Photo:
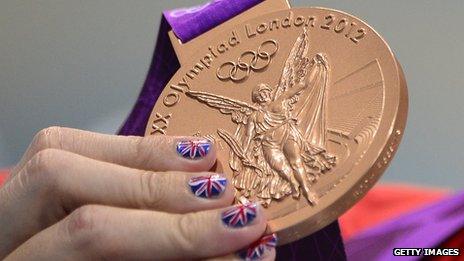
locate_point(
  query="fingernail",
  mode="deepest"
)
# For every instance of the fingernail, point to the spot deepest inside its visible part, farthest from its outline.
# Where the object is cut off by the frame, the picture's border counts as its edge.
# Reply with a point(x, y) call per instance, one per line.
point(240, 215)
point(208, 186)
point(256, 250)
point(193, 149)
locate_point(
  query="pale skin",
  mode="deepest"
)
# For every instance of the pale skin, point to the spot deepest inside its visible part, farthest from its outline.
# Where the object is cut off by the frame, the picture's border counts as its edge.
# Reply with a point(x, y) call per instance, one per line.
point(78, 195)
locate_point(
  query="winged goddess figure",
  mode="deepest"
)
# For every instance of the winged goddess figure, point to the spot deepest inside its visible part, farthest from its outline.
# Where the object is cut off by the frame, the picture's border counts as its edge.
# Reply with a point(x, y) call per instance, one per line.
point(279, 146)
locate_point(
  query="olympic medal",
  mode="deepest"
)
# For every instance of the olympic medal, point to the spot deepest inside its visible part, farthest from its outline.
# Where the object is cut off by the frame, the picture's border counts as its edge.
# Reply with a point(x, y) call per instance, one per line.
point(306, 108)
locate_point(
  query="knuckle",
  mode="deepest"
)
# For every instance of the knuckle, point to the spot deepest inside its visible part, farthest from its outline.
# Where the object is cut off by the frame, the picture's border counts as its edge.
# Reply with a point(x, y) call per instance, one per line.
point(134, 144)
point(85, 226)
point(153, 187)
point(42, 160)
point(141, 144)
point(42, 166)
point(40, 176)
point(185, 239)
point(145, 148)
point(47, 138)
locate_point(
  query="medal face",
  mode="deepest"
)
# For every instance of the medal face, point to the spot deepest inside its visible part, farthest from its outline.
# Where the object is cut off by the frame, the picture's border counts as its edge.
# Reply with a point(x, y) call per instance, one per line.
point(306, 108)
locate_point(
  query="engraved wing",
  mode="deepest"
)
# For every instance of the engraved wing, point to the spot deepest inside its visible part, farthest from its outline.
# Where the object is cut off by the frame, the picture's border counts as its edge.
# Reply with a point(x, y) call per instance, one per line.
point(296, 65)
point(238, 109)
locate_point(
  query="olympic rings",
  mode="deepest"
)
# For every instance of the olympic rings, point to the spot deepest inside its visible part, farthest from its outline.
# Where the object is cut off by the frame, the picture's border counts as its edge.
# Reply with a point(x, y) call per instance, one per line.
point(247, 62)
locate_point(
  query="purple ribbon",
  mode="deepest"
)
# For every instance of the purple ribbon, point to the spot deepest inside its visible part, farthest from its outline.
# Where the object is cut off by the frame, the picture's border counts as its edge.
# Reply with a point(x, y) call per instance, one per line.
point(425, 228)
point(187, 23)
point(163, 66)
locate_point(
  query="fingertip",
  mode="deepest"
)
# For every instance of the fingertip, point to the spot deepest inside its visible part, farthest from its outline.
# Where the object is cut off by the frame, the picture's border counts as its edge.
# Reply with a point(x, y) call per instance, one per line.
point(261, 249)
point(211, 188)
point(263, 217)
point(269, 255)
point(194, 153)
point(229, 193)
point(242, 216)
point(261, 220)
point(198, 191)
point(220, 231)
point(243, 224)
point(211, 157)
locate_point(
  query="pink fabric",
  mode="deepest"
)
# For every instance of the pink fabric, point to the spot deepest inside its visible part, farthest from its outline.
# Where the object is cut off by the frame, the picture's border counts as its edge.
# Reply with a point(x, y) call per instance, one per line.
point(384, 202)
point(3, 175)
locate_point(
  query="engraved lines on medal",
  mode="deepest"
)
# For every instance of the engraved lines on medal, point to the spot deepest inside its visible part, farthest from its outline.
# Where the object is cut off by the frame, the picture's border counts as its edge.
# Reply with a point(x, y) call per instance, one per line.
point(359, 99)
point(339, 24)
point(249, 61)
point(175, 90)
point(356, 123)
point(160, 124)
point(382, 162)
point(389, 151)
point(212, 138)
point(343, 26)
point(267, 165)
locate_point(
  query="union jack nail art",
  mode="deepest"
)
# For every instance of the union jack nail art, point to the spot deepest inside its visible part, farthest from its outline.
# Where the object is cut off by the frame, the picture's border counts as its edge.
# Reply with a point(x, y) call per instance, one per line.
point(193, 149)
point(208, 187)
point(256, 250)
point(240, 215)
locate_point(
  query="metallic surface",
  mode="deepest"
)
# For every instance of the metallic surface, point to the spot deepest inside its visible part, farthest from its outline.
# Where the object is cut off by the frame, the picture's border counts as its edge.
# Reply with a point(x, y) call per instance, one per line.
point(306, 130)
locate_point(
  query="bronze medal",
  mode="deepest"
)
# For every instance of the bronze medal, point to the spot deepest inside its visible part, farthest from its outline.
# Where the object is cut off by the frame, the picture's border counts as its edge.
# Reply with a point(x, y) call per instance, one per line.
point(306, 107)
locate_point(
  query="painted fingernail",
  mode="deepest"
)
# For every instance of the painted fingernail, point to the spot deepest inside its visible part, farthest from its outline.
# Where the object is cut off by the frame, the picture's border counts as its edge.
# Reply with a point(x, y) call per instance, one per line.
point(193, 149)
point(240, 215)
point(208, 186)
point(256, 250)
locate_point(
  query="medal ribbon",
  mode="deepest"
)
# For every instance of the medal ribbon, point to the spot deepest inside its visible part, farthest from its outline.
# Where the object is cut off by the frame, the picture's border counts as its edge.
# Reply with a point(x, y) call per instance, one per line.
point(424, 228)
point(187, 23)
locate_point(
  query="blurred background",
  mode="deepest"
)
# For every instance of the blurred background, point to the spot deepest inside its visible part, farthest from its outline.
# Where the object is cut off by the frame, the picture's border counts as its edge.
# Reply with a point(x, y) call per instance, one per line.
point(81, 64)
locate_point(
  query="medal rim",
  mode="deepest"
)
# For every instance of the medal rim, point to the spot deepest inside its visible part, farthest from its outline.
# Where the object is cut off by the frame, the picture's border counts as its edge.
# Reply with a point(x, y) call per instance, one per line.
point(292, 226)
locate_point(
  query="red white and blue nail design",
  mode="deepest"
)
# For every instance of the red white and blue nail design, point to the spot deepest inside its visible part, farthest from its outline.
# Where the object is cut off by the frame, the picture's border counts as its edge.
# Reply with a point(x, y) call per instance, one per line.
point(193, 149)
point(240, 215)
point(208, 187)
point(256, 250)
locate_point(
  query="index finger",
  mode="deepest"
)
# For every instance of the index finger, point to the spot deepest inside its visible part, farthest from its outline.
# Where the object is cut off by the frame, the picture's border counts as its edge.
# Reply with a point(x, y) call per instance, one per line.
point(160, 153)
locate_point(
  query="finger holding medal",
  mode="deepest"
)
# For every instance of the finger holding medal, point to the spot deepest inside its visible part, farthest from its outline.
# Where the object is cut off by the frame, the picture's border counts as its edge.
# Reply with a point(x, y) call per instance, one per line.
point(307, 107)
point(93, 196)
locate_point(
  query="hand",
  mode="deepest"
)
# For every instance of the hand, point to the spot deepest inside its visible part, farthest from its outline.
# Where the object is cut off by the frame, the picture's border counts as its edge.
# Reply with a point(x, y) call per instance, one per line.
point(79, 195)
